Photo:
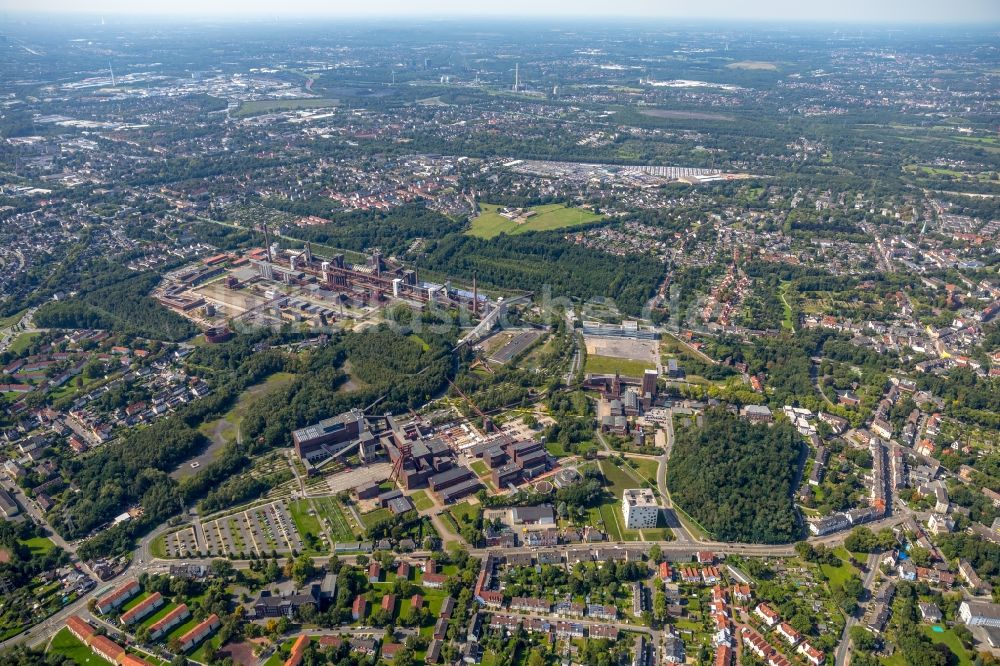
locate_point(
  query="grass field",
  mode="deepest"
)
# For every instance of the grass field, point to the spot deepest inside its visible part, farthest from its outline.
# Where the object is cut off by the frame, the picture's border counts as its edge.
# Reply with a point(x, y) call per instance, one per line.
point(422, 500)
point(134, 601)
point(304, 521)
point(464, 512)
point(449, 520)
point(618, 479)
point(608, 365)
point(276, 659)
point(272, 105)
point(612, 521)
point(556, 449)
point(753, 65)
point(480, 468)
point(490, 223)
point(948, 637)
point(67, 645)
point(224, 429)
point(22, 342)
point(786, 320)
point(373, 517)
point(645, 467)
point(838, 575)
point(12, 319)
point(39, 545)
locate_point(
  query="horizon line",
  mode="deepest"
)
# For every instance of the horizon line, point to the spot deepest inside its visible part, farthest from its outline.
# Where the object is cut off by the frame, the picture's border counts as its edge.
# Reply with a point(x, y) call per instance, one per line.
point(253, 16)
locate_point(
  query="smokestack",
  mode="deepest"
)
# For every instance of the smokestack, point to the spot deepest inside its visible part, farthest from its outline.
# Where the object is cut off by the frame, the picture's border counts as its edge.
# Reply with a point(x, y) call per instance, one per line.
point(267, 243)
point(475, 296)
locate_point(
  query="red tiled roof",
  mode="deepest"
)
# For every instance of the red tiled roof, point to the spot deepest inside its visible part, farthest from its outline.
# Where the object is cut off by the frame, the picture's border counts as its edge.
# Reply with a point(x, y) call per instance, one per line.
point(298, 649)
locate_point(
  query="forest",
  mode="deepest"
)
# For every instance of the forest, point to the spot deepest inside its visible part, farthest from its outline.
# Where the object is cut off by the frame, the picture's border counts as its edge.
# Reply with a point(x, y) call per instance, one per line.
point(121, 307)
point(539, 260)
point(736, 478)
point(967, 396)
point(391, 231)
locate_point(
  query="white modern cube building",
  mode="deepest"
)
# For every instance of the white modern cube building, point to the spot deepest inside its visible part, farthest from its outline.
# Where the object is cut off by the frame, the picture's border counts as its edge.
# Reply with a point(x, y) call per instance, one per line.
point(640, 509)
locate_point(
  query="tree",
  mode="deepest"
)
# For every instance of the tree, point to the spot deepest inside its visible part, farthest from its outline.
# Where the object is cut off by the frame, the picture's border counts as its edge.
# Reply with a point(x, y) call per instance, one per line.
point(920, 556)
point(303, 569)
point(854, 588)
point(863, 639)
point(272, 574)
point(222, 569)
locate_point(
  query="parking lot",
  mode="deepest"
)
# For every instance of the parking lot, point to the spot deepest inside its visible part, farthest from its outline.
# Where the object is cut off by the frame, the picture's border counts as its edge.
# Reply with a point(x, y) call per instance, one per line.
point(262, 530)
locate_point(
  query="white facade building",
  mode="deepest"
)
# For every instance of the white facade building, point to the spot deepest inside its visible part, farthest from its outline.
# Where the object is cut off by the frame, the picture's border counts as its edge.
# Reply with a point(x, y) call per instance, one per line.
point(980, 613)
point(640, 509)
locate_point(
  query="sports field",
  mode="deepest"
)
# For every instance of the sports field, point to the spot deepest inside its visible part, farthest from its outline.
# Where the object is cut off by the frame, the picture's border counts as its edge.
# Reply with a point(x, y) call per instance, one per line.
point(273, 105)
point(490, 223)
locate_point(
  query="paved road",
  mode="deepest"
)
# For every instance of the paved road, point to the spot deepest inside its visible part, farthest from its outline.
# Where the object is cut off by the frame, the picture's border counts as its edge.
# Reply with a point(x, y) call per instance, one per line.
point(143, 561)
point(35, 512)
point(680, 530)
point(843, 647)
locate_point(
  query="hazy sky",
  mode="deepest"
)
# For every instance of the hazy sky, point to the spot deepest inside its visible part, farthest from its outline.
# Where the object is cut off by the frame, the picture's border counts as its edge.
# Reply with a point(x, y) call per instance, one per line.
point(902, 11)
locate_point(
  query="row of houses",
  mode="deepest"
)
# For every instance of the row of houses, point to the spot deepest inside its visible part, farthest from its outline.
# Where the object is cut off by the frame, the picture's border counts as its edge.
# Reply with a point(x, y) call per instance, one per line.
point(102, 646)
point(563, 608)
point(772, 620)
point(559, 629)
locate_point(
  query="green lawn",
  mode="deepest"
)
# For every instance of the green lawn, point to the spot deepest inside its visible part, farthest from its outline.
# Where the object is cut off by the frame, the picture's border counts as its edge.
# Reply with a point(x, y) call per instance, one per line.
point(304, 517)
point(464, 513)
point(948, 637)
point(22, 342)
point(556, 449)
point(422, 500)
point(66, 644)
point(226, 427)
point(39, 545)
point(272, 105)
point(447, 517)
point(276, 659)
point(133, 602)
point(608, 365)
point(373, 517)
point(612, 521)
point(159, 614)
point(12, 319)
point(480, 468)
point(158, 547)
point(182, 628)
point(420, 341)
point(786, 320)
point(645, 467)
point(839, 575)
point(490, 223)
point(618, 479)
